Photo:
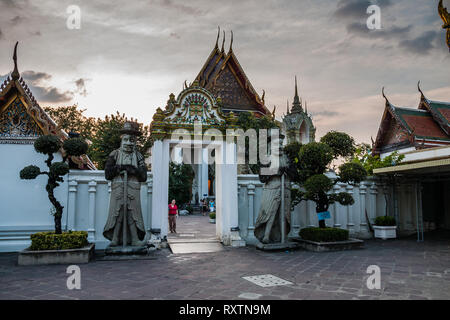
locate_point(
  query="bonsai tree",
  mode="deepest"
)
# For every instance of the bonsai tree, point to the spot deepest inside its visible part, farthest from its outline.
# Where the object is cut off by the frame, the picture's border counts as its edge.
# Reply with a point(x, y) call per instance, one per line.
point(48, 145)
point(312, 162)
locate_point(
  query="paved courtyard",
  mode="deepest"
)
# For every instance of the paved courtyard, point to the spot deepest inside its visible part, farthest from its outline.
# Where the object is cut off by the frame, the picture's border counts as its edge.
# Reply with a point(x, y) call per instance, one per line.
point(409, 270)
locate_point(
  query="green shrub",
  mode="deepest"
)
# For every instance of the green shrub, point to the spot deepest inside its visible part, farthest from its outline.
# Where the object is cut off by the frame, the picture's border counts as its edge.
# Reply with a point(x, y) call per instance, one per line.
point(30, 172)
point(212, 215)
point(323, 234)
point(385, 221)
point(48, 144)
point(76, 146)
point(53, 241)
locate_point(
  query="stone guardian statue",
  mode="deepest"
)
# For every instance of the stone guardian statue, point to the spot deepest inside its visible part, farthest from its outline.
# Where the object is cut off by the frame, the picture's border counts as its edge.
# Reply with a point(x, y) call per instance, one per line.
point(126, 168)
point(268, 224)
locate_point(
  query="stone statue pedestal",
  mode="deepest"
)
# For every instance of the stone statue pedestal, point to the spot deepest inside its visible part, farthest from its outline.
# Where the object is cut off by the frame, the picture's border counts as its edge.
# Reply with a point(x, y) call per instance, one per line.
point(277, 246)
point(129, 250)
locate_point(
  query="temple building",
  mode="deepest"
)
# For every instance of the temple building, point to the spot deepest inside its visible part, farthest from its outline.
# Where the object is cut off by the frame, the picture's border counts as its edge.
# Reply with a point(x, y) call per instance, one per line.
point(223, 76)
point(297, 123)
point(407, 129)
point(420, 184)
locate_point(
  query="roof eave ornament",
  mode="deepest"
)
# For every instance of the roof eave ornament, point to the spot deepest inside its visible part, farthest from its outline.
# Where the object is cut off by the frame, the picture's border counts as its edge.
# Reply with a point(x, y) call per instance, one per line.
point(217, 40)
point(223, 42)
point(15, 75)
point(445, 16)
point(231, 43)
point(420, 90)
point(384, 96)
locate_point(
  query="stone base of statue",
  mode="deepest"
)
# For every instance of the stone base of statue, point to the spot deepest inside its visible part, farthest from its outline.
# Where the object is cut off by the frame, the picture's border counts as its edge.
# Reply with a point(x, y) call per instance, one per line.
point(129, 250)
point(278, 246)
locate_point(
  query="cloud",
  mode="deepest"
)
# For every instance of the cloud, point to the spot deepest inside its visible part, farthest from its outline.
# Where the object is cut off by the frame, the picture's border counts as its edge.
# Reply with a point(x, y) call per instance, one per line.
point(16, 20)
point(325, 113)
point(356, 9)
point(35, 77)
point(174, 35)
point(81, 87)
point(180, 7)
point(360, 29)
point(43, 92)
point(421, 45)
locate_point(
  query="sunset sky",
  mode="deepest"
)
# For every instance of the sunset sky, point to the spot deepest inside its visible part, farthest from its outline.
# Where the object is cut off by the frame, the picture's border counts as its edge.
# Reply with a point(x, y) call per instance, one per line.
point(130, 55)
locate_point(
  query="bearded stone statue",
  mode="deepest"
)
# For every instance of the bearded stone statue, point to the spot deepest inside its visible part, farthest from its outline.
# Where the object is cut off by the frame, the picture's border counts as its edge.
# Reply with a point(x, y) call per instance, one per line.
point(126, 168)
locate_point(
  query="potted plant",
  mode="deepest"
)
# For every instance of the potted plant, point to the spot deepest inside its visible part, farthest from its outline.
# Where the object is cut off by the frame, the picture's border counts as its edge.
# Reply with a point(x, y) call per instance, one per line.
point(385, 227)
point(212, 217)
point(56, 246)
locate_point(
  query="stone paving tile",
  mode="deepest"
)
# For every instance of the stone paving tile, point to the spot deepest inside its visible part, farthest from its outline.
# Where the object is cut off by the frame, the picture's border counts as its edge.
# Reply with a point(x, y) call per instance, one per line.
point(409, 270)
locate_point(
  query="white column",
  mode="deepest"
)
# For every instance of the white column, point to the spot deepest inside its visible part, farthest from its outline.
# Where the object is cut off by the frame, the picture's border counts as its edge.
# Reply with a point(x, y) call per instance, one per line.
point(362, 196)
point(71, 206)
point(160, 170)
point(91, 226)
point(226, 196)
point(336, 219)
point(373, 202)
point(204, 174)
point(251, 212)
point(350, 224)
point(149, 203)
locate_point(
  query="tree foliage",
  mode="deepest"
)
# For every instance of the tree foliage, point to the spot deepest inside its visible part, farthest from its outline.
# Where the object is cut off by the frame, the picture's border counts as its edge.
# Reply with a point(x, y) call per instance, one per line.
point(102, 133)
point(247, 120)
point(341, 143)
point(363, 156)
point(107, 138)
point(72, 119)
point(49, 145)
point(312, 162)
point(180, 182)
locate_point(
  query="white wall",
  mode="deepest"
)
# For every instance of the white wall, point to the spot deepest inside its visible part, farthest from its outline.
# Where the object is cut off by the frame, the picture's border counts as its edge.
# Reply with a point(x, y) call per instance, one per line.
point(369, 195)
point(24, 204)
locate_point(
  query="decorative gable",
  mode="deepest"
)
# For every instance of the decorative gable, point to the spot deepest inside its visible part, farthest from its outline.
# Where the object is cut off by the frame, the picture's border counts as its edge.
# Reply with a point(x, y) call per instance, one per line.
point(16, 122)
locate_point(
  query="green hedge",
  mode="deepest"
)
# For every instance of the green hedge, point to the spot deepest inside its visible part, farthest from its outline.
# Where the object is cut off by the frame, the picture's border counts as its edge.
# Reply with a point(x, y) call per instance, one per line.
point(324, 234)
point(385, 221)
point(212, 215)
point(52, 241)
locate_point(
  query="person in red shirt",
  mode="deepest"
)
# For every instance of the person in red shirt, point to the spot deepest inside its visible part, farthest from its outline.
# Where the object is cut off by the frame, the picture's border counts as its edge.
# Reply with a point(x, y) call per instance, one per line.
point(173, 213)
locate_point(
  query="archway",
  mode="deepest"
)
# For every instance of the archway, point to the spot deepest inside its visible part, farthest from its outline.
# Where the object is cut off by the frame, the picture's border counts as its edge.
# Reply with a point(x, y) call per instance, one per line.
point(190, 122)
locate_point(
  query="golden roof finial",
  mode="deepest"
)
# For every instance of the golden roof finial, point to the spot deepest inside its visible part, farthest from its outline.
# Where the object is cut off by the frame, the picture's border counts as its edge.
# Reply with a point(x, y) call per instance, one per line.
point(384, 96)
point(15, 74)
point(420, 90)
point(445, 16)
point(217, 40)
point(223, 42)
point(263, 96)
point(231, 43)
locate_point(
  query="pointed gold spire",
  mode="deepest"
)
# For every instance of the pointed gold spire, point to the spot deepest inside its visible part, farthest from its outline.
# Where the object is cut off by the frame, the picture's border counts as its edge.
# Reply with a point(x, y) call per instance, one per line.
point(217, 40)
point(15, 74)
point(297, 104)
point(287, 106)
point(231, 43)
point(223, 42)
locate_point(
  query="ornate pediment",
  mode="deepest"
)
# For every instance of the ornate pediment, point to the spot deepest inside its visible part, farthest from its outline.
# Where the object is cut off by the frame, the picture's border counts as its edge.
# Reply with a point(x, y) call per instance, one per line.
point(16, 122)
point(193, 106)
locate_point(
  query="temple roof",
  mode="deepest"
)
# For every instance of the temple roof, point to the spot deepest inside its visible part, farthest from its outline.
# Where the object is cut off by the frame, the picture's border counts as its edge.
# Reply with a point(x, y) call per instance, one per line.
point(14, 91)
point(423, 127)
point(223, 75)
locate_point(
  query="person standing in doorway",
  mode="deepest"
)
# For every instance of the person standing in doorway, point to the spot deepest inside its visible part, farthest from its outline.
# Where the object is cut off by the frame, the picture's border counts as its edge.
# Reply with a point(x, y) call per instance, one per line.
point(173, 213)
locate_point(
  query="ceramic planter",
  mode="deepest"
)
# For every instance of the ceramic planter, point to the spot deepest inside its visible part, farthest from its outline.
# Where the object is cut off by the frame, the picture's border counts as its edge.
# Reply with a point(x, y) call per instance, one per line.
point(385, 232)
